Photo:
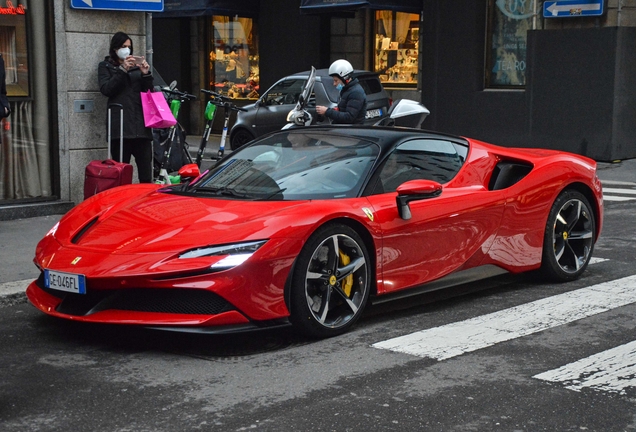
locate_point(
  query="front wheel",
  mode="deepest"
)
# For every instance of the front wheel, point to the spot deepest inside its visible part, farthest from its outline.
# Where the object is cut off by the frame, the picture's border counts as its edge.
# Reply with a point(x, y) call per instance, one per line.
point(331, 282)
point(240, 138)
point(569, 237)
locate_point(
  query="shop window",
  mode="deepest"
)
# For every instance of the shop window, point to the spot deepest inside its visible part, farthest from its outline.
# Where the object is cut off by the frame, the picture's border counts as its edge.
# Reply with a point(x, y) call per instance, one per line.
point(396, 48)
point(13, 46)
point(234, 57)
point(25, 165)
point(507, 37)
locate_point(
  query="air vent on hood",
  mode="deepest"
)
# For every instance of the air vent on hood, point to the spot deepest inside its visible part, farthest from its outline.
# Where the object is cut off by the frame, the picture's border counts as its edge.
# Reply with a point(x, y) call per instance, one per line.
point(78, 236)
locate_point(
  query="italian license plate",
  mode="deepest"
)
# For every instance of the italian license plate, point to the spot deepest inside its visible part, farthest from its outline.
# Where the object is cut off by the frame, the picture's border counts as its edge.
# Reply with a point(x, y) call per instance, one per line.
point(374, 113)
point(61, 281)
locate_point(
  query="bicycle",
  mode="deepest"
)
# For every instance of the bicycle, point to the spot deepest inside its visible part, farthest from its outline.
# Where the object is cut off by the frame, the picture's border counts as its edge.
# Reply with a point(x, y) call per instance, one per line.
point(210, 112)
point(175, 100)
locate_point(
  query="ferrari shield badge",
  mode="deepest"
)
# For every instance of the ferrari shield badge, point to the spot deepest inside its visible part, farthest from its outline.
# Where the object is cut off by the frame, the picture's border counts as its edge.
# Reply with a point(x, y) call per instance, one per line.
point(368, 212)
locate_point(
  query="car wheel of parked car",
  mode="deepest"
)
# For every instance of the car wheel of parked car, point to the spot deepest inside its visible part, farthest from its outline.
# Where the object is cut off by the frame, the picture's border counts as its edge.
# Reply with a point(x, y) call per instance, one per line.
point(569, 237)
point(240, 138)
point(331, 282)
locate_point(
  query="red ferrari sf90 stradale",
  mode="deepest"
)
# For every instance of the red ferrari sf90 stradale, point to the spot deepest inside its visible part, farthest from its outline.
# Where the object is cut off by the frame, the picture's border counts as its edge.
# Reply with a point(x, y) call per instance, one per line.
point(304, 226)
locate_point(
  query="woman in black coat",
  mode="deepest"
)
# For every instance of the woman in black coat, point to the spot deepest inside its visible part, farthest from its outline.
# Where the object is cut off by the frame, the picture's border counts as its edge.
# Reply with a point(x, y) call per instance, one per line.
point(122, 79)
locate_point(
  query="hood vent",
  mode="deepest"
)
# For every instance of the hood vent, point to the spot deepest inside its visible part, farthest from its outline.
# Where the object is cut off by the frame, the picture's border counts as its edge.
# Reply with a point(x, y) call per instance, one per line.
point(78, 236)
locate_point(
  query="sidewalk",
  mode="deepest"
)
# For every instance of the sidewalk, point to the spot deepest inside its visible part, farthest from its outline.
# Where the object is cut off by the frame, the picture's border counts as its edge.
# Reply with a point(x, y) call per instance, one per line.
point(20, 237)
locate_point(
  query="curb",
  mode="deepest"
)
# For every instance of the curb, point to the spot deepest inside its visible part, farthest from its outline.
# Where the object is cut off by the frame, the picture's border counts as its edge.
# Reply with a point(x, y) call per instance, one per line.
point(13, 293)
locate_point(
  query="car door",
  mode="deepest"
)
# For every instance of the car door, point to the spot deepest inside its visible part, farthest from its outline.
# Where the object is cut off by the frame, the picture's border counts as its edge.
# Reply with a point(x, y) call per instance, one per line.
point(274, 105)
point(444, 233)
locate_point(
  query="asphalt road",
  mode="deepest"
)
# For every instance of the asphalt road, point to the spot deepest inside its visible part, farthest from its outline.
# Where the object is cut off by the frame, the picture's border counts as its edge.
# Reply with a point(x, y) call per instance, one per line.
point(561, 360)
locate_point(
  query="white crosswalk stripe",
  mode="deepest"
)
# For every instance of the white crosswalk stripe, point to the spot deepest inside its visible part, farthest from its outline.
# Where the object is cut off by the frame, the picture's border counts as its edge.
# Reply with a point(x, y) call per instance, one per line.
point(458, 338)
point(612, 371)
point(626, 191)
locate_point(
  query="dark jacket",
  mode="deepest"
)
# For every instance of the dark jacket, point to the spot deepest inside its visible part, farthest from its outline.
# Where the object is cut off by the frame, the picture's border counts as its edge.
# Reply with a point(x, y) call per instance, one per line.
point(352, 107)
point(125, 88)
point(4, 102)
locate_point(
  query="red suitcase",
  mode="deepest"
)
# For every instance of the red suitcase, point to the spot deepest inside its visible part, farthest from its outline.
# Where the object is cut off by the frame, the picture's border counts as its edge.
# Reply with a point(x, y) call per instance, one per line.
point(101, 175)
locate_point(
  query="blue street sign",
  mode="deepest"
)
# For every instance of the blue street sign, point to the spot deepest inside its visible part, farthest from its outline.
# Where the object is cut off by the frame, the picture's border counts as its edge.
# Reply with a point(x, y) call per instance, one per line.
point(573, 8)
point(120, 5)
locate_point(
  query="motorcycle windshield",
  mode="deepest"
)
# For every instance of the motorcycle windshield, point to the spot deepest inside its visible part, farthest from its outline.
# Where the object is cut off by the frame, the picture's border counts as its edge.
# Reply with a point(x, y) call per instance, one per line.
point(303, 100)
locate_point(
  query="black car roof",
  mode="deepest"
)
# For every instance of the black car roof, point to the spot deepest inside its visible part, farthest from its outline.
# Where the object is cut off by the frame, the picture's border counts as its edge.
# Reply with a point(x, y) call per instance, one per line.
point(385, 137)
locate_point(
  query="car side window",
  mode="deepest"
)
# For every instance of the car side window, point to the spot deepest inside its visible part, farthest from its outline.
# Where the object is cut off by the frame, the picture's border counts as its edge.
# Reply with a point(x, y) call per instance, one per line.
point(421, 159)
point(285, 92)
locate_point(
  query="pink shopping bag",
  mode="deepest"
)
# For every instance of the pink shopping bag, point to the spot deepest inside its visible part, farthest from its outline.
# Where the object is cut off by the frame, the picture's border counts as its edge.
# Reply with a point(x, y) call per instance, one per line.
point(157, 114)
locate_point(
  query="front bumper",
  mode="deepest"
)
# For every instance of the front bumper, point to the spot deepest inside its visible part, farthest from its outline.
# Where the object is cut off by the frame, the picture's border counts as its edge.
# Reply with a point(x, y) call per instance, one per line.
point(170, 309)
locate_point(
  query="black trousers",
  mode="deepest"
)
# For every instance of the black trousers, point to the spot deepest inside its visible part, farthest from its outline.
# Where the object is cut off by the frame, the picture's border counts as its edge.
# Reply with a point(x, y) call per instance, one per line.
point(141, 149)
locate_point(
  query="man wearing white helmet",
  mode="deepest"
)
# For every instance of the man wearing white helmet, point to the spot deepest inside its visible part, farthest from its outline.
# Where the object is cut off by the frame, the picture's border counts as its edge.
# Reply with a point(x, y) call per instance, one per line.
point(352, 107)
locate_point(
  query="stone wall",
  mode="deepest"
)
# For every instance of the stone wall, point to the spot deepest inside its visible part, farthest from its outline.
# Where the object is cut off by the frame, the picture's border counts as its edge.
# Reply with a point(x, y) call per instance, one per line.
point(82, 41)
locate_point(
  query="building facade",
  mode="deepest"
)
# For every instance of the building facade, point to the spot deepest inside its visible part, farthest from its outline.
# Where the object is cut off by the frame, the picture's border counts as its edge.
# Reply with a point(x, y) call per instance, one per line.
point(496, 70)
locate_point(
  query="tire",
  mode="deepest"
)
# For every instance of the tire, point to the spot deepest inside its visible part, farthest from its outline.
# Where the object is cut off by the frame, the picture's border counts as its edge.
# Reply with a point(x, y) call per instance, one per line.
point(331, 282)
point(569, 237)
point(240, 138)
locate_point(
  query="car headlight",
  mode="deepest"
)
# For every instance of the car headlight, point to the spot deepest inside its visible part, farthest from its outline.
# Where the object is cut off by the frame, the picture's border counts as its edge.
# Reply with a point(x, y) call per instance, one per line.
point(237, 253)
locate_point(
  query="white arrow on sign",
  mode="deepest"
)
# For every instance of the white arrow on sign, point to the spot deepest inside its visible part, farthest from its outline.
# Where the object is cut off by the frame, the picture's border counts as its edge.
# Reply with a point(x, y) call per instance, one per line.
point(555, 8)
point(88, 2)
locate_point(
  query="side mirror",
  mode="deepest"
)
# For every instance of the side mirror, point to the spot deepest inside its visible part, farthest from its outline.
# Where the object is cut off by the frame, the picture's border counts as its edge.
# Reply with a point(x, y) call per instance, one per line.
point(415, 190)
point(189, 172)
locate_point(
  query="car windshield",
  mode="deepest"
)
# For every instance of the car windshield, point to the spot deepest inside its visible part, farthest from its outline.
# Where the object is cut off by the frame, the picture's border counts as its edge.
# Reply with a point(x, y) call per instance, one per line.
point(292, 165)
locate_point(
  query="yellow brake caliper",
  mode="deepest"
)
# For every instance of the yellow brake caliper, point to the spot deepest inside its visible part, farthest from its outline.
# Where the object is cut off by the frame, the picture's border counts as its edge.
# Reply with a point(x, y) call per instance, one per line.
point(347, 283)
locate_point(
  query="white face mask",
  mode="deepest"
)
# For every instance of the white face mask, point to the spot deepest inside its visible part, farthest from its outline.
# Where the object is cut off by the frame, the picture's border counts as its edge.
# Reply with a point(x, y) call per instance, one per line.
point(122, 53)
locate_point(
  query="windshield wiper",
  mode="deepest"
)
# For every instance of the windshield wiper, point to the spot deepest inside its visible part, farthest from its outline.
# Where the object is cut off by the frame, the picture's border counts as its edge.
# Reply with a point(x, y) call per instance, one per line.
point(279, 191)
point(221, 191)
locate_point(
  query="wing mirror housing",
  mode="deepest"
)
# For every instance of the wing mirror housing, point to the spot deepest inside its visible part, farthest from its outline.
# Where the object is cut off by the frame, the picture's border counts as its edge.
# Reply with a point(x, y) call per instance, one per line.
point(189, 172)
point(415, 190)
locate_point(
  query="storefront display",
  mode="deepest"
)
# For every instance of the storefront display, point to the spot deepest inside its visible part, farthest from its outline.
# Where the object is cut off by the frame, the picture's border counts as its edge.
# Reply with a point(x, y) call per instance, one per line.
point(13, 46)
point(24, 150)
point(396, 48)
point(234, 57)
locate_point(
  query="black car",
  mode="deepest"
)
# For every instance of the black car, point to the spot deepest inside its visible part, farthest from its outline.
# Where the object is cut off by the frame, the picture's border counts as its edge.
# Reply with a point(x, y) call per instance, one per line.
point(269, 112)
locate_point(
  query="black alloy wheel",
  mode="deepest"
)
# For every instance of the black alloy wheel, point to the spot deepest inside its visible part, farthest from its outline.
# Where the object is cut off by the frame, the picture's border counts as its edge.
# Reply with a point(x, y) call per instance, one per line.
point(569, 237)
point(331, 282)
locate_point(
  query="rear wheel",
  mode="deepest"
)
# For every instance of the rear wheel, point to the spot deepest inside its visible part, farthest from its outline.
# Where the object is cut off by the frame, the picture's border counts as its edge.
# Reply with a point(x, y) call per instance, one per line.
point(240, 138)
point(331, 282)
point(569, 237)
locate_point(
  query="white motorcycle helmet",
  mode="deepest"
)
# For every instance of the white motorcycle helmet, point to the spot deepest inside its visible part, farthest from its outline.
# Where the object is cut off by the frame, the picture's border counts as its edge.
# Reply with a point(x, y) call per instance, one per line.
point(342, 69)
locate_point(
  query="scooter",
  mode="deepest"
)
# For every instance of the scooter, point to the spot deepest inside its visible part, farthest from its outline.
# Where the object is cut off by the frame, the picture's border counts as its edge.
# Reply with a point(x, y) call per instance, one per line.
point(404, 112)
point(209, 115)
point(210, 112)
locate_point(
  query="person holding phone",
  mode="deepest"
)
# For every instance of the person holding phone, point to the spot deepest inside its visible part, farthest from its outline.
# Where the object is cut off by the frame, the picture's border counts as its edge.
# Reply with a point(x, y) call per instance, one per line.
point(122, 77)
